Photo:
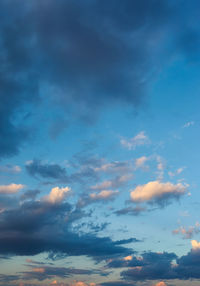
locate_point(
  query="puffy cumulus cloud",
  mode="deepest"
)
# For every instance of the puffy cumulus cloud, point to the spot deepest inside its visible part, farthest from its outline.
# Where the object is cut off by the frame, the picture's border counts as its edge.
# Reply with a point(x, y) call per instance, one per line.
point(57, 195)
point(11, 189)
point(45, 170)
point(187, 233)
point(195, 245)
point(140, 139)
point(157, 192)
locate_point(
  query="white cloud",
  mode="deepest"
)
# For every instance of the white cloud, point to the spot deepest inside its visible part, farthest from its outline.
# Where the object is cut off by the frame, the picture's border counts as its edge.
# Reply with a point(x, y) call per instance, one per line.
point(10, 189)
point(195, 245)
point(138, 140)
point(57, 194)
point(157, 191)
point(188, 124)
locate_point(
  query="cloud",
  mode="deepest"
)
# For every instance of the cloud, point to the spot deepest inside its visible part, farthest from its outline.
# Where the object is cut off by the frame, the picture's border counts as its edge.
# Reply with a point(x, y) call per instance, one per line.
point(195, 245)
point(29, 195)
point(177, 172)
point(139, 140)
point(89, 55)
point(57, 195)
point(160, 284)
point(48, 272)
point(103, 195)
point(117, 182)
point(34, 227)
point(163, 266)
point(187, 233)
point(10, 169)
point(115, 167)
point(47, 171)
point(135, 211)
point(157, 192)
point(139, 162)
point(11, 189)
point(188, 124)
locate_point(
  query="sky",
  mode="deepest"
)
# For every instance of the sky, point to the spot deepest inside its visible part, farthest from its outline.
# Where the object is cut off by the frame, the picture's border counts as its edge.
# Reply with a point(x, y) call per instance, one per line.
point(99, 143)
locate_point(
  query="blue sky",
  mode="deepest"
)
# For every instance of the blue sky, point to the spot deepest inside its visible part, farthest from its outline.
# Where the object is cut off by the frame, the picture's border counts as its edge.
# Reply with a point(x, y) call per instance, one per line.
point(99, 143)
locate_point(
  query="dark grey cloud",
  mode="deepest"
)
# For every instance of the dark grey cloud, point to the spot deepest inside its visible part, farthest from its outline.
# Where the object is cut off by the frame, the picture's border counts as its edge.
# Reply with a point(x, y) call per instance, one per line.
point(35, 227)
point(84, 55)
point(50, 272)
point(152, 266)
point(117, 283)
point(135, 211)
point(29, 195)
point(160, 266)
point(44, 170)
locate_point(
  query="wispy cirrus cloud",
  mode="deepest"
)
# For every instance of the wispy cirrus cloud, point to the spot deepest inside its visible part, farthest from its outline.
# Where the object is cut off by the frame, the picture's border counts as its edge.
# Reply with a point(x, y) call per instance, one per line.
point(138, 140)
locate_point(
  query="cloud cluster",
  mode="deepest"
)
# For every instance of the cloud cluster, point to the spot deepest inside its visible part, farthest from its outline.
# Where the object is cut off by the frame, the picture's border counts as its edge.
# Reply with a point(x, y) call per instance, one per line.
point(36, 226)
point(187, 233)
point(160, 266)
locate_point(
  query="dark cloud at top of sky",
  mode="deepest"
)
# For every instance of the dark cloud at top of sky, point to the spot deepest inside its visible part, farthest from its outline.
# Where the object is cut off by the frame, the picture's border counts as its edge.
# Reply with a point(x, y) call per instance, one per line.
point(84, 55)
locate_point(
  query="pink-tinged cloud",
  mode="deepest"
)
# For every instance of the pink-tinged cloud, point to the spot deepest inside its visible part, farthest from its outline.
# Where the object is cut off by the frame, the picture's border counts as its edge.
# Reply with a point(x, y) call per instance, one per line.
point(103, 195)
point(157, 191)
point(160, 284)
point(11, 189)
point(187, 233)
point(57, 195)
point(139, 162)
point(195, 245)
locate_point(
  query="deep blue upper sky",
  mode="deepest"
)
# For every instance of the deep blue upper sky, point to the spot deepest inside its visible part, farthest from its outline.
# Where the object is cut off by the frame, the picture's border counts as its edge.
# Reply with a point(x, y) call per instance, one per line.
point(99, 142)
